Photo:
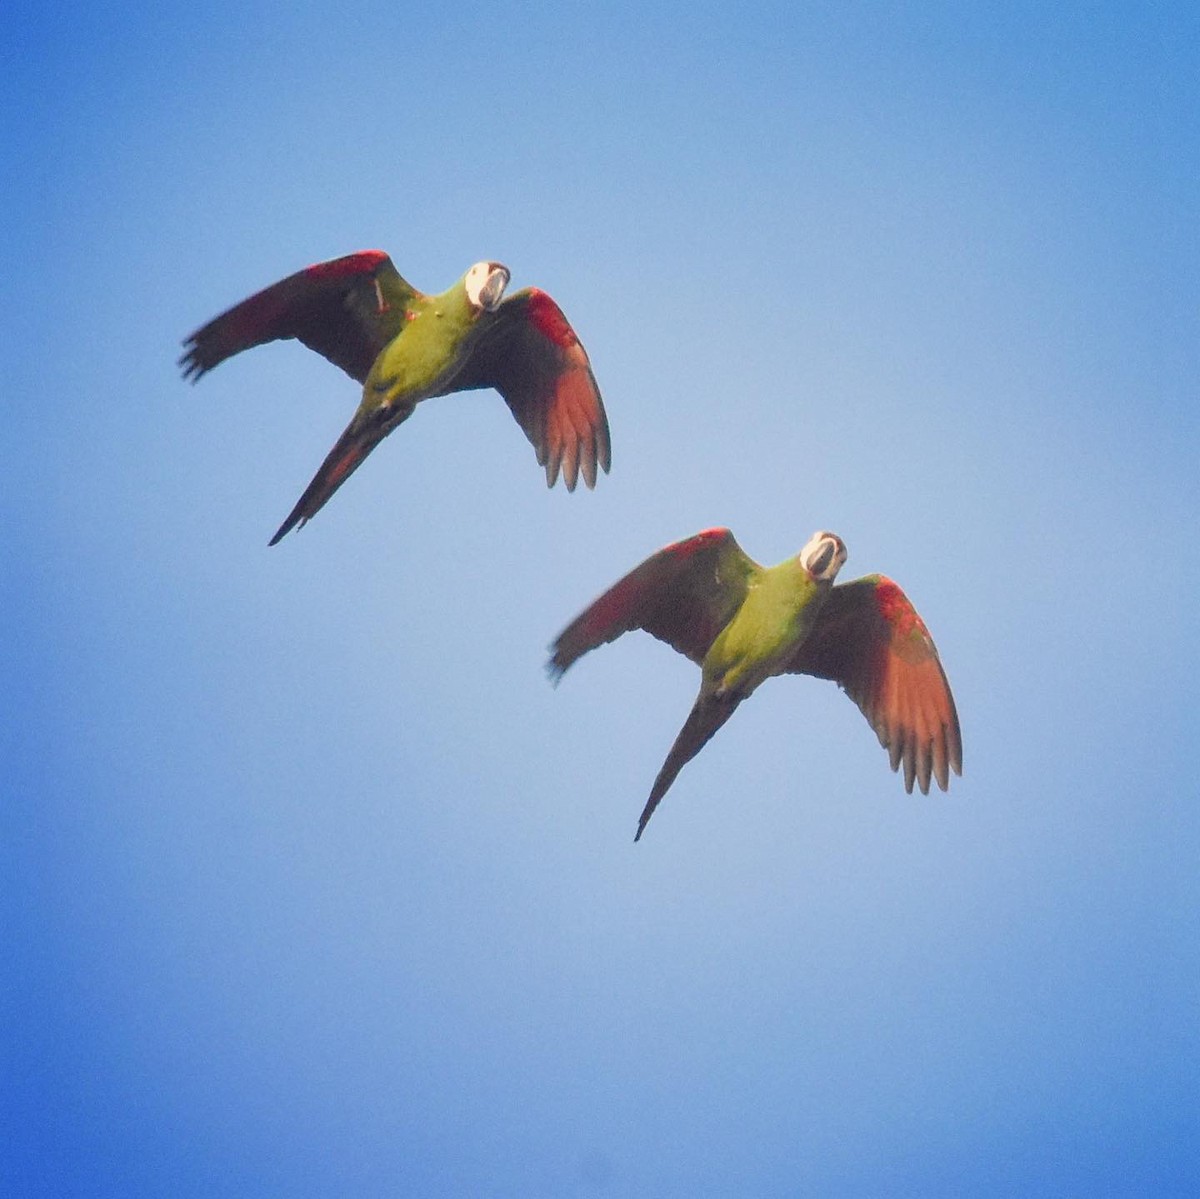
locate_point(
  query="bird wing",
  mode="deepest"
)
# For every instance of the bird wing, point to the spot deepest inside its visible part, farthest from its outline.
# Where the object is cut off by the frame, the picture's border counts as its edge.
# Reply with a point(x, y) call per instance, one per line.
point(529, 353)
point(347, 310)
point(869, 640)
point(684, 595)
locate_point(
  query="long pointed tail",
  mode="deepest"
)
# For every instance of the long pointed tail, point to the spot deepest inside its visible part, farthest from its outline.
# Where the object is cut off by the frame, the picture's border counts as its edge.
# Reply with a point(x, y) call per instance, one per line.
point(707, 715)
point(359, 439)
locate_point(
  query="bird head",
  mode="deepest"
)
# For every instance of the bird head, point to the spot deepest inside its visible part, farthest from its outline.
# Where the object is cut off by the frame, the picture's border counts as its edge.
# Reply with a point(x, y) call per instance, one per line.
point(823, 556)
point(485, 283)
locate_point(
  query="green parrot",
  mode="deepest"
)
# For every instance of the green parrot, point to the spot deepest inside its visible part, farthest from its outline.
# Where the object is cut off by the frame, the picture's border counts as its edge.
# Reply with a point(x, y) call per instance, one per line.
point(741, 623)
point(405, 347)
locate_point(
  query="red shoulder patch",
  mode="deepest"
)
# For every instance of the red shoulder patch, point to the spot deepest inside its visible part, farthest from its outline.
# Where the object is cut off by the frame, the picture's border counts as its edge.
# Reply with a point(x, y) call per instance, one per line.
point(365, 262)
point(700, 541)
point(547, 318)
point(897, 610)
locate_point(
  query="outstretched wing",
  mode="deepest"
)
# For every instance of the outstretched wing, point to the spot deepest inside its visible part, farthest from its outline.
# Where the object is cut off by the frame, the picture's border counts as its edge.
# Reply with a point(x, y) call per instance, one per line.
point(529, 353)
point(684, 595)
point(347, 310)
point(869, 640)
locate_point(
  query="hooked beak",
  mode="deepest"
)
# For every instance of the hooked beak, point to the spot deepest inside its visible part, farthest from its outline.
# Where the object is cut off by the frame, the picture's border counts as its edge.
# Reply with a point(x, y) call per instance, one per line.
point(819, 562)
point(493, 290)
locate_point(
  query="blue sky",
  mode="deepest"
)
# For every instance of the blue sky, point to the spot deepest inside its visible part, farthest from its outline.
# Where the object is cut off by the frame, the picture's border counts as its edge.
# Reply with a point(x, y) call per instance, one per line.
point(311, 884)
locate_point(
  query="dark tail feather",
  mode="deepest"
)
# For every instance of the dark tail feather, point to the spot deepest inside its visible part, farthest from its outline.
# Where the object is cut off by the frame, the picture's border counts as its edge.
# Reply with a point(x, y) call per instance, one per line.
point(359, 439)
point(707, 715)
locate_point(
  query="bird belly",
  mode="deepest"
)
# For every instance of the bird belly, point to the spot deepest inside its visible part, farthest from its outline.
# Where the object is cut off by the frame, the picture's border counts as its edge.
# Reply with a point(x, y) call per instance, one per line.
point(415, 365)
point(759, 641)
point(740, 659)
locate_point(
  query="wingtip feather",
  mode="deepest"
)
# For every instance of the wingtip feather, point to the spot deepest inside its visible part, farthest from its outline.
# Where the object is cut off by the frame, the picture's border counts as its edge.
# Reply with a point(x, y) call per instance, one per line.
point(588, 466)
point(189, 363)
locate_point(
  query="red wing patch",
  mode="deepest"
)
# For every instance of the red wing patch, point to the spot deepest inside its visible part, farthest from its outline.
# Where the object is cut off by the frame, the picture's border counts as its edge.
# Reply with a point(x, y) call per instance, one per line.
point(362, 263)
point(677, 595)
point(609, 611)
point(574, 433)
point(323, 306)
point(897, 609)
point(702, 540)
point(547, 318)
point(871, 642)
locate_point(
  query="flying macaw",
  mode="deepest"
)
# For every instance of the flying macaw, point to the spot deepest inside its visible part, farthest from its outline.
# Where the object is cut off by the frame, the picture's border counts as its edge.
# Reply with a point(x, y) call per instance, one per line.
point(741, 623)
point(404, 347)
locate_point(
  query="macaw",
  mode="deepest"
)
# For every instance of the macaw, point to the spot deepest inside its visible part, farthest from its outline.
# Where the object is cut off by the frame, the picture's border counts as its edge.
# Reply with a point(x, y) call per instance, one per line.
point(741, 623)
point(405, 347)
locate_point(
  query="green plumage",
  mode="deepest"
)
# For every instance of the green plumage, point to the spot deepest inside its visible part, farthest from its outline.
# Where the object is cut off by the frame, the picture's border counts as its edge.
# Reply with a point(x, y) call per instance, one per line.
point(413, 367)
point(743, 623)
point(776, 615)
point(404, 347)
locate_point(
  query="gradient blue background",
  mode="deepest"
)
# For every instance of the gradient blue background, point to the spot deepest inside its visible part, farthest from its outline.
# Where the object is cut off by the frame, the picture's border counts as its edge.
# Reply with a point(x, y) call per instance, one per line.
point(311, 885)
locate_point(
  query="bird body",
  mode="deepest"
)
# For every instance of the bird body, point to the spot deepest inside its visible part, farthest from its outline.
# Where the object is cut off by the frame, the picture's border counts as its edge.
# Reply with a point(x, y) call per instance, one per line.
point(743, 623)
point(405, 347)
point(437, 338)
point(776, 614)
